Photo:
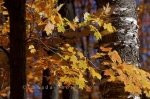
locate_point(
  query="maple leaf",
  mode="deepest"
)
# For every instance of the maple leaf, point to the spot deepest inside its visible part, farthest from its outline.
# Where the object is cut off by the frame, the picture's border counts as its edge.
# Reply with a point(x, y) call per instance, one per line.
point(73, 59)
point(76, 19)
point(32, 49)
point(110, 73)
point(59, 7)
point(86, 16)
point(99, 21)
point(133, 89)
point(107, 8)
point(80, 54)
point(52, 19)
point(96, 32)
point(82, 64)
point(97, 35)
point(49, 28)
point(66, 57)
point(81, 82)
point(109, 27)
point(104, 49)
point(70, 49)
point(60, 28)
point(71, 25)
point(31, 46)
point(114, 56)
point(94, 73)
point(97, 55)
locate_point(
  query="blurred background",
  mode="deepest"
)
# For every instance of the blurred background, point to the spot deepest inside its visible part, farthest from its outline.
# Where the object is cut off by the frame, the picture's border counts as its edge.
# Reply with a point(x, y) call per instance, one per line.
point(144, 32)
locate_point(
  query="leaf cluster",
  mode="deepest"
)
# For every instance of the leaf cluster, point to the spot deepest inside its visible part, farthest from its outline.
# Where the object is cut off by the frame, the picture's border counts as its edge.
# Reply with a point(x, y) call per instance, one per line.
point(136, 81)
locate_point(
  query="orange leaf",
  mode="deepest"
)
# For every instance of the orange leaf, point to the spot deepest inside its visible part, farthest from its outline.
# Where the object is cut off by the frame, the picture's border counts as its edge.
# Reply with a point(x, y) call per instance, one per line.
point(104, 49)
point(114, 56)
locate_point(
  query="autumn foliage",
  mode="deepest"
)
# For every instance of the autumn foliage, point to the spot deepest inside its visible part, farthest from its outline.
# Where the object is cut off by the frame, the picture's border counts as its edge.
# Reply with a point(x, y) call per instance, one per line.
point(68, 65)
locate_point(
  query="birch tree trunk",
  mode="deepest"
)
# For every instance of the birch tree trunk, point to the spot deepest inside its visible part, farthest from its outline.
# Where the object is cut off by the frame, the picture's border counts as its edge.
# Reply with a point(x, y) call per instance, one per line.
point(16, 9)
point(125, 40)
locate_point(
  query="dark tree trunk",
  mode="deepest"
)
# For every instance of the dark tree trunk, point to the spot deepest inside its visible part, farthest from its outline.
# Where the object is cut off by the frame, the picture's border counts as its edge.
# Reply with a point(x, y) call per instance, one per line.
point(66, 93)
point(125, 40)
point(16, 9)
point(47, 88)
point(67, 10)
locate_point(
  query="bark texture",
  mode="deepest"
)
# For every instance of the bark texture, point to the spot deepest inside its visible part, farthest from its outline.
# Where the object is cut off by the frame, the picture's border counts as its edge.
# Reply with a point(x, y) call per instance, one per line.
point(16, 9)
point(125, 40)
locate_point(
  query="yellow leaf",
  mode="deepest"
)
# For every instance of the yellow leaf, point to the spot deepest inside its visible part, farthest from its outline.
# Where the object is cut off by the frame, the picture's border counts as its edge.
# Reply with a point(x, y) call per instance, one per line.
point(133, 89)
point(80, 54)
point(52, 18)
point(71, 26)
point(73, 59)
point(97, 35)
point(83, 64)
point(49, 28)
point(33, 51)
point(94, 73)
point(96, 32)
point(100, 22)
point(105, 33)
point(66, 57)
point(70, 49)
point(97, 55)
point(58, 19)
point(76, 19)
point(31, 47)
point(109, 27)
point(60, 28)
point(81, 82)
point(107, 8)
point(86, 16)
point(59, 7)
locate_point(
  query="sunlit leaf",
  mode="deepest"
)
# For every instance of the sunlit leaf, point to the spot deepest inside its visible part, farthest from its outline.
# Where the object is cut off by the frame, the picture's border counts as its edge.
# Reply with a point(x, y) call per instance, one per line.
point(109, 27)
point(49, 28)
point(59, 7)
point(86, 16)
point(115, 57)
point(76, 19)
